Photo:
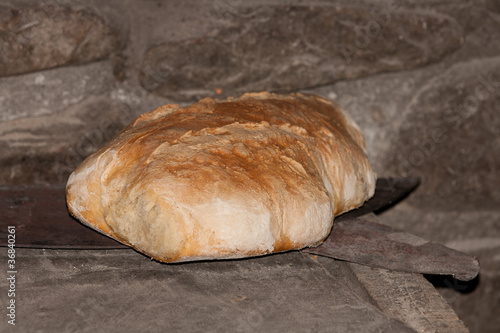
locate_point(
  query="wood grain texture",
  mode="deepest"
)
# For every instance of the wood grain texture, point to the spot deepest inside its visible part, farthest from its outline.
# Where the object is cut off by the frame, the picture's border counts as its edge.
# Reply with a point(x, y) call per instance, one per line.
point(410, 298)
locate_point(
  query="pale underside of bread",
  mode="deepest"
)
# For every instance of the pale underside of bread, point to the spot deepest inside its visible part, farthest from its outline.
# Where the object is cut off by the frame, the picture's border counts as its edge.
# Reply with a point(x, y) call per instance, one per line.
point(242, 177)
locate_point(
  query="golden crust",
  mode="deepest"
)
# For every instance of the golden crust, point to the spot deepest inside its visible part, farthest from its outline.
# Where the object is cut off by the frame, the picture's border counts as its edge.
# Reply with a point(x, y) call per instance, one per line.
point(241, 177)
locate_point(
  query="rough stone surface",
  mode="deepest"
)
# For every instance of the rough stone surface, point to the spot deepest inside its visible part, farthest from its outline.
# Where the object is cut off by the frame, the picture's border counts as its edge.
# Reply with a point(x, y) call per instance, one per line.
point(70, 112)
point(48, 92)
point(37, 37)
point(449, 135)
point(39, 147)
point(290, 48)
point(121, 290)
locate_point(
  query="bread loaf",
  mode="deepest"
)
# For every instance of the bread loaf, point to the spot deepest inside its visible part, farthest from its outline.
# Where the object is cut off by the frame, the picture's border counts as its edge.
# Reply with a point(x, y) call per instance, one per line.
point(225, 179)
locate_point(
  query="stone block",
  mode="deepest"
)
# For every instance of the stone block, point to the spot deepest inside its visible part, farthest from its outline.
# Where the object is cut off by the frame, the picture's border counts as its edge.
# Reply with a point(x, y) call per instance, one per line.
point(37, 37)
point(287, 48)
point(52, 120)
point(449, 136)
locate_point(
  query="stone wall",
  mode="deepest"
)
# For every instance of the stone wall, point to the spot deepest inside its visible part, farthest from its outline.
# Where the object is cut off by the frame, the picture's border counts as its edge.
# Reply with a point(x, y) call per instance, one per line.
point(422, 79)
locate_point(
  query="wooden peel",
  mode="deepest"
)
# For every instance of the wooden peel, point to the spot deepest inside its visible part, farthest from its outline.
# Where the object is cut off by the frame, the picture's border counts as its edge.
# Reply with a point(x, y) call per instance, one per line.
point(42, 221)
point(358, 237)
point(365, 241)
point(41, 218)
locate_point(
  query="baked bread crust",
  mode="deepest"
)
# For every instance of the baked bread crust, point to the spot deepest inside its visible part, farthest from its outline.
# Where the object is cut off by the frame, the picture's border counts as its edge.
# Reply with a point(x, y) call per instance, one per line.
point(225, 179)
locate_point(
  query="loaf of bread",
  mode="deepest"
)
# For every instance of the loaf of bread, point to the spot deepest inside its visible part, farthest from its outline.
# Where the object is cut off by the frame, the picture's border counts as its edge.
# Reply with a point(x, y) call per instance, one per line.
point(241, 177)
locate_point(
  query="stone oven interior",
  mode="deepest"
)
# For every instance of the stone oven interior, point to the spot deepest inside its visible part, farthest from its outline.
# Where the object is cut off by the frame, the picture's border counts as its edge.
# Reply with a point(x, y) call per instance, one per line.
point(422, 80)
